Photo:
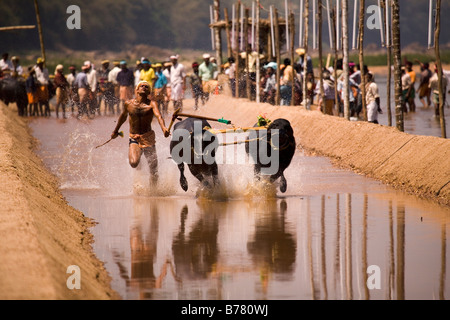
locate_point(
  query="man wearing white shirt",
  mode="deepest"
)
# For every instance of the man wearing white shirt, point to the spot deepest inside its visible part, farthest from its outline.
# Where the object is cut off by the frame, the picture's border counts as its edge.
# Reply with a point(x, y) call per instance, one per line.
point(5, 63)
point(177, 82)
point(112, 77)
point(93, 82)
point(42, 78)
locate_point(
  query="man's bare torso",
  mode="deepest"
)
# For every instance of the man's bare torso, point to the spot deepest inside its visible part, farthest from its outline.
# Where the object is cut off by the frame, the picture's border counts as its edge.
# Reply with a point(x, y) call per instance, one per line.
point(141, 116)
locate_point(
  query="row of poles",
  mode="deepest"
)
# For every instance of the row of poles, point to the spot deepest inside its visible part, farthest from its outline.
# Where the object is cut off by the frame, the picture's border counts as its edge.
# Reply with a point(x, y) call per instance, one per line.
point(337, 17)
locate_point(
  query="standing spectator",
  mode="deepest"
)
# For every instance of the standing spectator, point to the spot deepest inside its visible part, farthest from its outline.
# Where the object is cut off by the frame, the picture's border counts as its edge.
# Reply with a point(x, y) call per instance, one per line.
point(328, 90)
point(137, 71)
point(270, 86)
point(286, 82)
point(301, 61)
point(31, 86)
point(17, 68)
point(93, 85)
point(42, 92)
point(62, 90)
point(353, 91)
point(434, 86)
point(73, 94)
point(106, 88)
point(125, 79)
point(406, 88)
point(196, 85)
point(412, 93)
point(372, 99)
point(5, 64)
point(177, 82)
point(147, 73)
point(206, 72)
point(166, 72)
point(424, 84)
point(160, 88)
point(83, 89)
point(231, 72)
point(112, 78)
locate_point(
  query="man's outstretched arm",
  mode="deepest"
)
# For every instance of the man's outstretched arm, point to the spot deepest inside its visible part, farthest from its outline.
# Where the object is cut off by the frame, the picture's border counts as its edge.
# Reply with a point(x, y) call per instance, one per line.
point(122, 118)
point(160, 119)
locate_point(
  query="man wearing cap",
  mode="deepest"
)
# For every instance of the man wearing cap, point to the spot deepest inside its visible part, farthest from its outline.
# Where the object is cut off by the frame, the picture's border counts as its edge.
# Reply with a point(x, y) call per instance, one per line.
point(92, 78)
point(142, 138)
point(125, 79)
point(112, 78)
point(42, 78)
point(177, 82)
point(206, 72)
point(159, 88)
point(147, 73)
point(106, 88)
point(82, 86)
point(62, 88)
point(5, 63)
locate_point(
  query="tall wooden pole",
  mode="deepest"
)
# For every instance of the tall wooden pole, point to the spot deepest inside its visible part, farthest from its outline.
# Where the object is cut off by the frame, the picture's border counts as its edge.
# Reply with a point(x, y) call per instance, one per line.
point(277, 54)
point(227, 32)
point(345, 58)
point(236, 42)
point(292, 36)
point(258, 62)
point(307, 102)
point(336, 40)
point(218, 34)
point(247, 50)
point(386, 3)
point(397, 64)
point(361, 56)
point(439, 66)
point(41, 38)
point(319, 18)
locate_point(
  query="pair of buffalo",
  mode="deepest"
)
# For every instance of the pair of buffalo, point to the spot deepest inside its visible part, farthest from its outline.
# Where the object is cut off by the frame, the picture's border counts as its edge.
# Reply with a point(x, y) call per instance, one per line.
point(271, 150)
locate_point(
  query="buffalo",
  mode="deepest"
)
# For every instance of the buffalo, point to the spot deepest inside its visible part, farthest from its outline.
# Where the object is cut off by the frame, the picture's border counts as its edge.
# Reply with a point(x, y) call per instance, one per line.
point(272, 150)
point(194, 145)
point(13, 90)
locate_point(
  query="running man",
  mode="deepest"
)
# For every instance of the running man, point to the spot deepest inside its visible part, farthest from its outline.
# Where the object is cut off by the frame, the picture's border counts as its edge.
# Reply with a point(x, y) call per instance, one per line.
point(142, 138)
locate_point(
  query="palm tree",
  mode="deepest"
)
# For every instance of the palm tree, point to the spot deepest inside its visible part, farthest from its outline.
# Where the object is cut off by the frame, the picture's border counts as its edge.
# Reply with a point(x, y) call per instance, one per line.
point(397, 64)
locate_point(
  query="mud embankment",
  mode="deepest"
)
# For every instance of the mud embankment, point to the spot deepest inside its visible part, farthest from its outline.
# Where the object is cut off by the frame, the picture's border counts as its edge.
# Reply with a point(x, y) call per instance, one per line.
point(417, 164)
point(41, 234)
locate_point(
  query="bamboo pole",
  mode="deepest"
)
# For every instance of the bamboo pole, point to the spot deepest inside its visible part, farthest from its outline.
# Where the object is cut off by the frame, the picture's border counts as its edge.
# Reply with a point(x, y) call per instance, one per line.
point(389, 58)
point(248, 87)
point(218, 34)
point(258, 62)
point(227, 32)
point(319, 17)
point(211, 20)
point(397, 64)
point(361, 57)
point(336, 55)
point(41, 37)
point(345, 49)
point(236, 41)
point(292, 36)
point(307, 102)
point(277, 54)
point(439, 66)
point(17, 28)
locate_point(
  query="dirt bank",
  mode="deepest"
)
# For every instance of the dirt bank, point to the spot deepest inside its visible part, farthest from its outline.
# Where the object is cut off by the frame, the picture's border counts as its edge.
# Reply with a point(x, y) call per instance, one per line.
point(417, 164)
point(41, 234)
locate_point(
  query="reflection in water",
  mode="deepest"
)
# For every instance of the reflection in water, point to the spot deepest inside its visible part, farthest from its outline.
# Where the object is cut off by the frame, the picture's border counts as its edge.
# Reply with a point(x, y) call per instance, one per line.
point(314, 242)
